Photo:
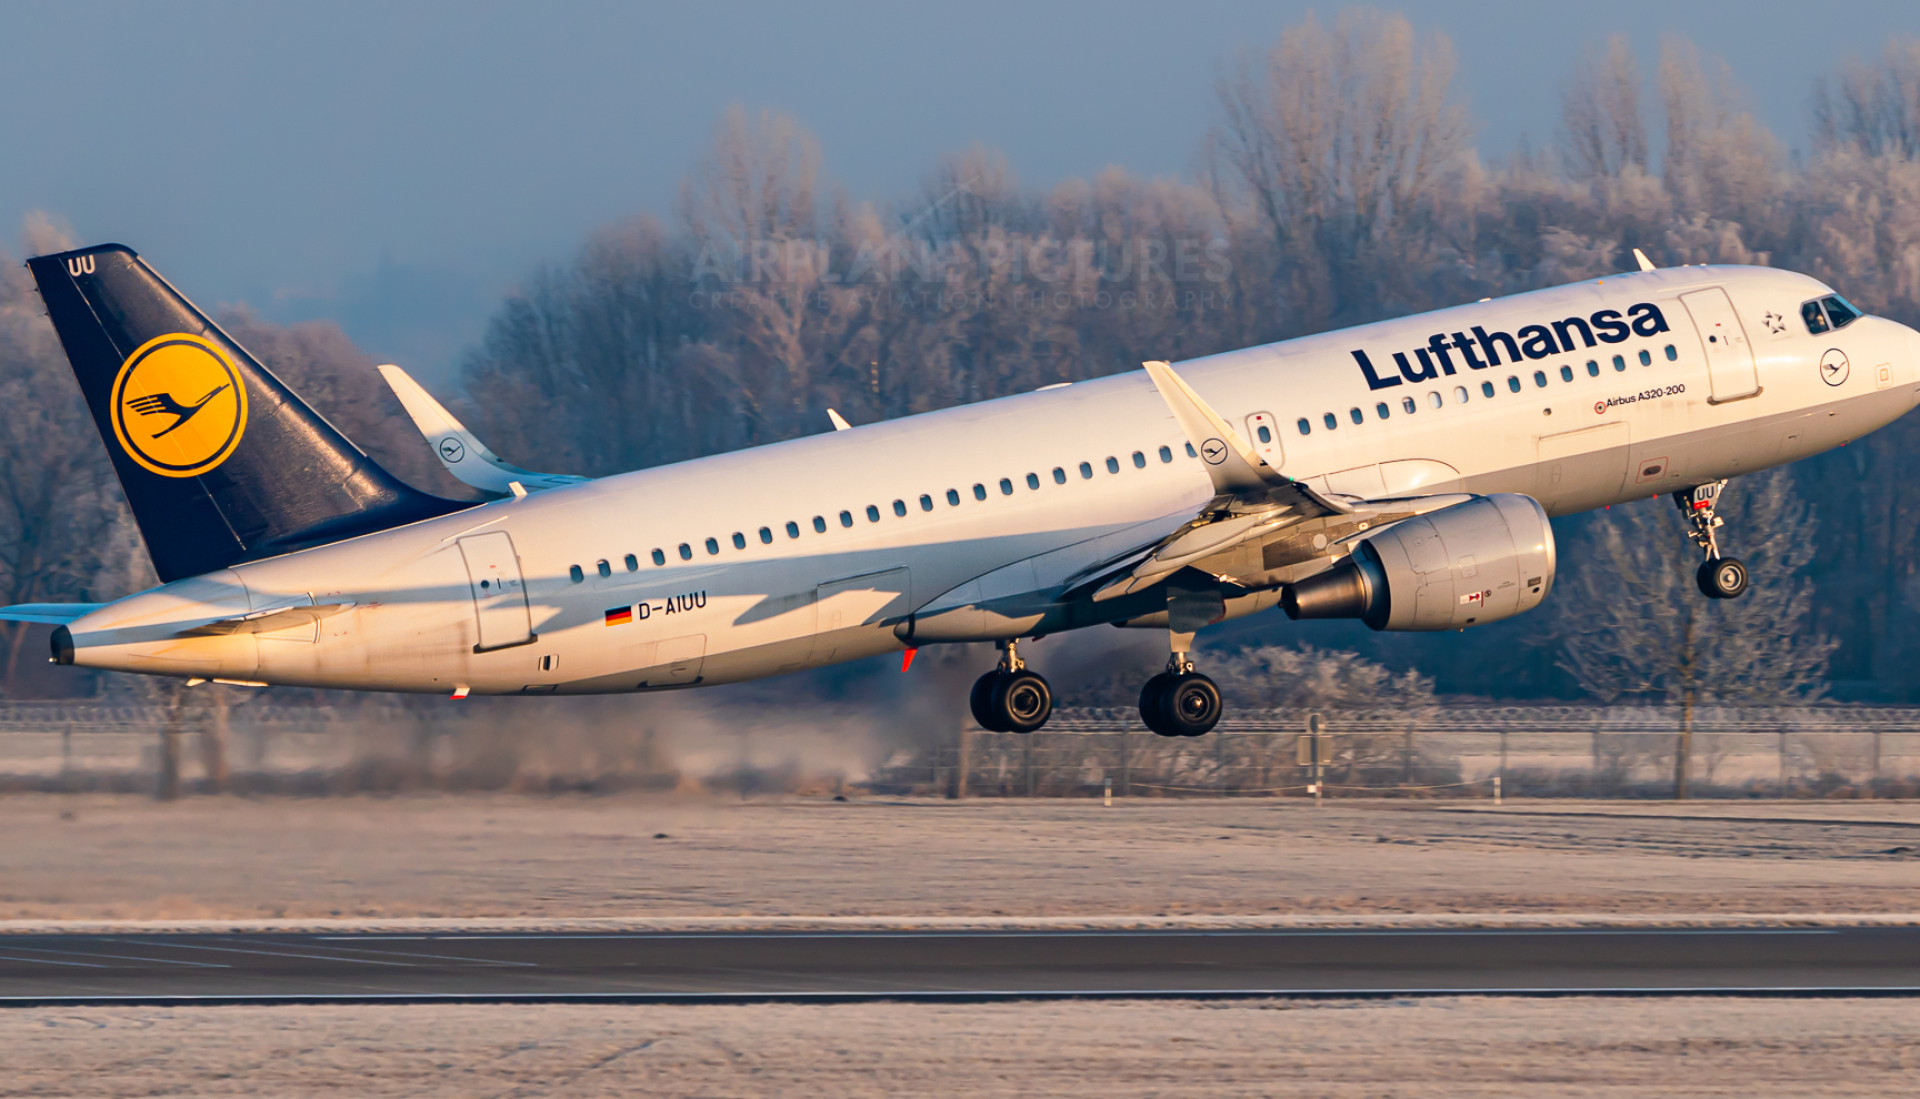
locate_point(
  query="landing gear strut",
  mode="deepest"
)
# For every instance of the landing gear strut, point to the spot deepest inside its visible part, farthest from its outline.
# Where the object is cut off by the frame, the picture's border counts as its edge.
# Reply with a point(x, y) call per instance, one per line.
point(1011, 698)
point(1719, 577)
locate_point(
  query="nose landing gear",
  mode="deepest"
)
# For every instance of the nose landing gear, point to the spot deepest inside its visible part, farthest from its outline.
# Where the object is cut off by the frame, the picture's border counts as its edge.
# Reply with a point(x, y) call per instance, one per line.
point(1011, 698)
point(1718, 577)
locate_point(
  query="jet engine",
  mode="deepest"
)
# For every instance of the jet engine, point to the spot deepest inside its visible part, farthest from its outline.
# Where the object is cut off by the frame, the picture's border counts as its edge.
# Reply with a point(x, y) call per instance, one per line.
point(1479, 561)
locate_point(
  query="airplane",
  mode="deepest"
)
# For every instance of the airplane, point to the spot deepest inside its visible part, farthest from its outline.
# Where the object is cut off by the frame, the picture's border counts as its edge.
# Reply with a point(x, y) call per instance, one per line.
point(1402, 473)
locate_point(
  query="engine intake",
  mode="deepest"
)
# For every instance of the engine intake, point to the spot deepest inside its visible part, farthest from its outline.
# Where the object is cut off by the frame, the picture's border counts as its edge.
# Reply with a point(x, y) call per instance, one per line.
point(1480, 561)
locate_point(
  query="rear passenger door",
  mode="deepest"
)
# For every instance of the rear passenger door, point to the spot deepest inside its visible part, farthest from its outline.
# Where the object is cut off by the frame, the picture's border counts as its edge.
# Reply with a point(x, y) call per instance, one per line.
point(1263, 432)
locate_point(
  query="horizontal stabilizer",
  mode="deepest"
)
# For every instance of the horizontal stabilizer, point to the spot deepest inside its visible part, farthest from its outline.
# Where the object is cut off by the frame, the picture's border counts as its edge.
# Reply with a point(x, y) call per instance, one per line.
point(466, 457)
point(48, 614)
point(267, 621)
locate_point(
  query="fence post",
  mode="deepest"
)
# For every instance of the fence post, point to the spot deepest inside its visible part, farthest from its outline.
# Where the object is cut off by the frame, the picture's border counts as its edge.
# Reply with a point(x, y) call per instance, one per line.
point(962, 763)
point(1126, 762)
point(1500, 779)
point(1028, 762)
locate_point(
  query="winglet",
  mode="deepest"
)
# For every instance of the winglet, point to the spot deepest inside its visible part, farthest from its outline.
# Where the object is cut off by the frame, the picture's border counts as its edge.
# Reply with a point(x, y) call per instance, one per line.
point(839, 422)
point(1234, 466)
point(466, 457)
point(1640, 258)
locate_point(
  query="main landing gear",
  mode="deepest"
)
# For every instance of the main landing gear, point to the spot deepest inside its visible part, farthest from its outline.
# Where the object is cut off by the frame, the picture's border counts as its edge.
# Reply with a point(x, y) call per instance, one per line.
point(1719, 577)
point(1012, 698)
point(1180, 701)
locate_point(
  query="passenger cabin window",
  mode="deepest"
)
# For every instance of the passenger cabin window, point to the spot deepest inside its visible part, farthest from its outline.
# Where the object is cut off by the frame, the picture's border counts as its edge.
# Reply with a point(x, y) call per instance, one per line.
point(1381, 410)
point(926, 502)
point(953, 497)
point(766, 536)
point(1033, 480)
point(1486, 389)
point(1540, 378)
point(846, 518)
point(1006, 487)
point(1459, 394)
point(1435, 400)
point(1192, 453)
point(1059, 476)
point(1140, 460)
point(1166, 452)
point(1265, 433)
point(873, 514)
point(1513, 382)
point(820, 524)
point(713, 547)
point(573, 572)
point(1619, 362)
point(1305, 427)
point(1086, 471)
point(1672, 354)
point(793, 530)
point(605, 570)
point(979, 492)
point(1356, 415)
point(659, 557)
point(900, 508)
point(632, 563)
point(1327, 419)
point(1646, 358)
point(1593, 368)
point(739, 540)
point(686, 552)
point(1408, 406)
point(1113, 464)
point(1566, 373)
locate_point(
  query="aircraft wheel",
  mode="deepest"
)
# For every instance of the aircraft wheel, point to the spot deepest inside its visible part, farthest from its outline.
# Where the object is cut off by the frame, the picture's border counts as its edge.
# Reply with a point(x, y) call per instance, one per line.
point(1190, 705)
point(1723, 578)
point(980, 701)
point(1021, 702)
point(1150, 704)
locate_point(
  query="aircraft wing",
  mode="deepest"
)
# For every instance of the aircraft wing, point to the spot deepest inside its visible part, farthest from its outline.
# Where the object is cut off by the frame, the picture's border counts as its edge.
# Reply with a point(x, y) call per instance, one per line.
point(466, 457)
point(47, 614)
point(1251, 498)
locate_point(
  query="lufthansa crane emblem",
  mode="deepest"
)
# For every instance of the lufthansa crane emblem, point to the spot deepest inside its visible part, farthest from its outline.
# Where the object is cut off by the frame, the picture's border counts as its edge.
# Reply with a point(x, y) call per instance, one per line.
point(179, 405)
point(1214, 451)
point(1834, 367)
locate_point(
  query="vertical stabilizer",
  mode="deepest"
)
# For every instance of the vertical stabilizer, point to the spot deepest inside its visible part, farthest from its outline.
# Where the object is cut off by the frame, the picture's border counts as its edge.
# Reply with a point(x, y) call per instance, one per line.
point(220, 461)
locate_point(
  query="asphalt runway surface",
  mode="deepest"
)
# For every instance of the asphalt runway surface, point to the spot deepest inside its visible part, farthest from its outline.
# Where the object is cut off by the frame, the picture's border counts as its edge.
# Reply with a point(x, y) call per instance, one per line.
point(841, 966)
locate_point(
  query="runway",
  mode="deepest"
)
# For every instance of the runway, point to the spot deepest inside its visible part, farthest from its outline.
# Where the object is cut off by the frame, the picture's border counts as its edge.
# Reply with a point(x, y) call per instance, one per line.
point(163, 969)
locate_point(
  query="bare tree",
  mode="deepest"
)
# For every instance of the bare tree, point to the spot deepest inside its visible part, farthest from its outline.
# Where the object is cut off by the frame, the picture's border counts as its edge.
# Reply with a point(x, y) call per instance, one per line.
point(1873, 107)
point(1602, 130)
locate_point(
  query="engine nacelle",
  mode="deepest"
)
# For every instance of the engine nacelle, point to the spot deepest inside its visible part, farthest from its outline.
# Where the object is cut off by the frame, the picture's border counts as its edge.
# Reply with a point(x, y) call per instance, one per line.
point(1481, 561)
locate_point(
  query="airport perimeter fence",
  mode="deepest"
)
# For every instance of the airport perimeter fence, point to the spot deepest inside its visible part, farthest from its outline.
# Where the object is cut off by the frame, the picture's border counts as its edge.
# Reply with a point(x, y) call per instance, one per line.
point(1485, 751)
point(1448, 751)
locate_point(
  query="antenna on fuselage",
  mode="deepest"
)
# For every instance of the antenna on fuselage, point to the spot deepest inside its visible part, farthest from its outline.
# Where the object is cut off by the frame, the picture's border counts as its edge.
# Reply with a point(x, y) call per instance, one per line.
point(1641, 258)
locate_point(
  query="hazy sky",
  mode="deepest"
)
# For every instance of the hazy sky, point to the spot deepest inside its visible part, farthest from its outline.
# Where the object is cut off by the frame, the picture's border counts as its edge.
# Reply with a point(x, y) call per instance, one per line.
point(396, 166)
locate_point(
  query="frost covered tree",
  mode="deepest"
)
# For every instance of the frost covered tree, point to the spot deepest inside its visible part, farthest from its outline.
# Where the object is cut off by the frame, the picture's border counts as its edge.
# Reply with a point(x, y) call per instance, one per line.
point(1637, 626)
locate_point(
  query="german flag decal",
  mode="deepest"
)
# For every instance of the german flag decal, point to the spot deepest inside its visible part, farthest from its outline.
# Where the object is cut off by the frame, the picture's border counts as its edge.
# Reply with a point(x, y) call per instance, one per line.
point(619, 616)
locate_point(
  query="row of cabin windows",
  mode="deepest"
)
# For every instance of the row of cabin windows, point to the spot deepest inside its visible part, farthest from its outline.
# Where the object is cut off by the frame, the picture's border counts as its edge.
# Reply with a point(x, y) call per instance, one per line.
point(900, 509)
point(1460, 393)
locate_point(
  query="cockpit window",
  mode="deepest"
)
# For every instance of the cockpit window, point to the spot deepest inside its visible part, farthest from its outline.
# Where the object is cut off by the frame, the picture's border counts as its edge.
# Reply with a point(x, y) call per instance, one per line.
point(1840, 312)
point(1816, 320)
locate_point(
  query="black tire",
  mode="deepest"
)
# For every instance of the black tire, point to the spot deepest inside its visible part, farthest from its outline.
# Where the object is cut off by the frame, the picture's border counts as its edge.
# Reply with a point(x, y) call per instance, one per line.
point(1723, 578)
point(1190, 705)
point(1021, 702)
point(1150, 703)
point(980, 701)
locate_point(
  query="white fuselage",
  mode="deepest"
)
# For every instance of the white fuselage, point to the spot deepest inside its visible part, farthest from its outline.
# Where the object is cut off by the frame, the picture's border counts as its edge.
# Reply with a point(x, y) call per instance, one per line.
point(850, 543)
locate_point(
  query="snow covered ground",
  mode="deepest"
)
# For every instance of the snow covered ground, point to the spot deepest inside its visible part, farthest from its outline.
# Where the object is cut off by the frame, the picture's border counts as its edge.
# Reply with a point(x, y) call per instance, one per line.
point(1428, 1048)
point(548, 861)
